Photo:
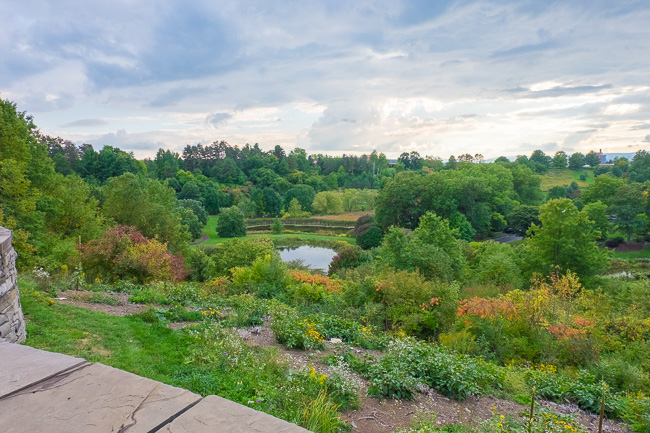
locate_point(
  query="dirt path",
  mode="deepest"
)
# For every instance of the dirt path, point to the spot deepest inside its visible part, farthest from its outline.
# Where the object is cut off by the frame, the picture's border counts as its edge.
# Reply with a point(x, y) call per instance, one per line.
point(119, 307)
point(375, 415)
point(204, 238)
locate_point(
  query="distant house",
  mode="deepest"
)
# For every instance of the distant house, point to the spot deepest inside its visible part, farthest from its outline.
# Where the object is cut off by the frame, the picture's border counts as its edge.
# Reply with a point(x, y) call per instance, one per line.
point(601, 156)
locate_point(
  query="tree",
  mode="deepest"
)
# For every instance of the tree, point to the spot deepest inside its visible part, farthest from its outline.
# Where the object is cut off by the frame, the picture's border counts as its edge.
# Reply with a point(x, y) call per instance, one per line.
point(539, 161)
point(604, 188)
point(271, 202)
point(522, 217)
point(565, 241)
point(640, 167)
point(451, 163)
point(156, 213)
point(305, 195)
point(295, 210)
point(277, 227)
point(576, 161)
point(560, 159)
point(432, 248)
point(557, 192)
point(592, 159)
point(597, 212)
point(231, 223)
point(628, 205)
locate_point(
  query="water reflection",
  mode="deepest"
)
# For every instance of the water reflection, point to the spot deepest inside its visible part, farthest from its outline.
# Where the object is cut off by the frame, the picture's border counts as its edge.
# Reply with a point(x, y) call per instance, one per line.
point(314, 257)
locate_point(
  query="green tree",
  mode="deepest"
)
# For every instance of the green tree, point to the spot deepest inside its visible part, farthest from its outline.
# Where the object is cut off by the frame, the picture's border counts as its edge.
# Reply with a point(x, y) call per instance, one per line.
point(628, 205)
point(560, 159)
point(277, 227)
point(592, 159)
point(522, 217)
point(295, 210)
point(576, 161)
point(231, 223)
point(432, 249)
point(640, 167)
point(557, 192)
point(597, 212)
point(305, 195)
point(566, 240)
point(156, 214)
point(604, 188)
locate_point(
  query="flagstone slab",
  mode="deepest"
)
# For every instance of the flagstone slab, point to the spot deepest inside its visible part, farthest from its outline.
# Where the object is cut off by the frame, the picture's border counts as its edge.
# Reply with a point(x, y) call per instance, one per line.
point(216, 414)
point(93, 398)
point(23, 366)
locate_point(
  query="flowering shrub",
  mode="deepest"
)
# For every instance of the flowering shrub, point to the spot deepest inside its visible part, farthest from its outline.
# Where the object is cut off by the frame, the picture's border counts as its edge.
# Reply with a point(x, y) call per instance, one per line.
point(294, 332)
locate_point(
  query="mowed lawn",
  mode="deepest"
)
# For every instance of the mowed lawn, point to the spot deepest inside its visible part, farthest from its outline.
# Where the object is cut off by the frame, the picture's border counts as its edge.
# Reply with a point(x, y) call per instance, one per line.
point(630, 255)
point(210, 230)
point(564, 176)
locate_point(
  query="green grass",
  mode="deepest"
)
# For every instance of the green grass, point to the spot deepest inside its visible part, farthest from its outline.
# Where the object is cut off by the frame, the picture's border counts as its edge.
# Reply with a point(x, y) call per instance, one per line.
point(643, 254)
point(564, 176)
point(147, 349)
point(211, 231)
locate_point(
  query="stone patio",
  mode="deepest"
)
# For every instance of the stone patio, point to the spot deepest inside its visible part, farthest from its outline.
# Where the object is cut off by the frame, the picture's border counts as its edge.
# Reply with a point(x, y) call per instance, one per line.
point(49, 392)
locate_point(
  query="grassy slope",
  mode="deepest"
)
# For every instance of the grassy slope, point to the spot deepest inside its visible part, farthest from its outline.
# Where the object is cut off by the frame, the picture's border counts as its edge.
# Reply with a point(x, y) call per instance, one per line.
point(211, 231)
point(128, 343)
point(564, 176)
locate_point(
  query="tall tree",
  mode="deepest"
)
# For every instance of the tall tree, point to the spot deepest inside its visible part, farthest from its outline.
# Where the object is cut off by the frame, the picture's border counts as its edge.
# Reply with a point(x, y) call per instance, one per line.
point(566, 240)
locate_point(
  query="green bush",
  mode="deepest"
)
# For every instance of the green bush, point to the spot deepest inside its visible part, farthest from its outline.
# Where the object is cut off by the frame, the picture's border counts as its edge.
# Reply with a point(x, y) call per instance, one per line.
point(408, 362)
point(231, 223)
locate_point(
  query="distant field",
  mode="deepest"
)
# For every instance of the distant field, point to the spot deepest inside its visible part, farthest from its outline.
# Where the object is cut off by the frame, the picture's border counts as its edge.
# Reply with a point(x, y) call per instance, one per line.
point(352, 216)
point(564, 176)
point(210, 230)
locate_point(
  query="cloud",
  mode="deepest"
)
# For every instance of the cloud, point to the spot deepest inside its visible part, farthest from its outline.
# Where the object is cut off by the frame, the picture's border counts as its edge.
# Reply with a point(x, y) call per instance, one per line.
point(383, 74)
point(574, 139)
point(217, 119)
point(647, 139)
point(85, 123)
point(641, 126)
point(559, 91)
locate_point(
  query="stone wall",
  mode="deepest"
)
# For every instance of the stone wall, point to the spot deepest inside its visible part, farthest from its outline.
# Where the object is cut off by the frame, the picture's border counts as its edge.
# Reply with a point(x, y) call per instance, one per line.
point(12, 321)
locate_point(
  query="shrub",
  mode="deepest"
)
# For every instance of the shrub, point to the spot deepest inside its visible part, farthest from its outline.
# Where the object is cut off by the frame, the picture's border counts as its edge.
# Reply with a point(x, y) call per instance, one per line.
point(408, 362)
point(370, 237)
point(231, 223)
point(614, 242)
point(277, 227)
point(124, 253)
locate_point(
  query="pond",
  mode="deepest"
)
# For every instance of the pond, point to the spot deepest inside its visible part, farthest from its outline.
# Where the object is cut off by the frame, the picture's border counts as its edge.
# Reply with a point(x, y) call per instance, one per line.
point(314, 257)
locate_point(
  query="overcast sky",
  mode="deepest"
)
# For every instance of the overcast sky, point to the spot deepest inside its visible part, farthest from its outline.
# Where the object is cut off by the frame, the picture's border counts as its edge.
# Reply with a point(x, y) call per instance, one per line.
point(440, 77)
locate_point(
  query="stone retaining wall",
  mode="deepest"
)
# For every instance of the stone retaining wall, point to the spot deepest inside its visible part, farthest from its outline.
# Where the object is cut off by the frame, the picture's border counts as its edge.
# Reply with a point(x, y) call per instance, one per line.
point(12, 321)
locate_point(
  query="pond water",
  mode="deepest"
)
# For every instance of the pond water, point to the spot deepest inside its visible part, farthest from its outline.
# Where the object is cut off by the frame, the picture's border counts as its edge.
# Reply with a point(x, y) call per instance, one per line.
point(314, 257)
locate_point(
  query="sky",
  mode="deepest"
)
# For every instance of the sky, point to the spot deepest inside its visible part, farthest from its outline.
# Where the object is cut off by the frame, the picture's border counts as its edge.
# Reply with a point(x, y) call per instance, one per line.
point(434, 76)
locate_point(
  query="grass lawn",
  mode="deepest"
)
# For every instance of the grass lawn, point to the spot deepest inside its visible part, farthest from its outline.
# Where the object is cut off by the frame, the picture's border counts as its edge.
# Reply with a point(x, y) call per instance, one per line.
point(128, 343)
point(211, 231)
point(564, 176)
point(643, 254)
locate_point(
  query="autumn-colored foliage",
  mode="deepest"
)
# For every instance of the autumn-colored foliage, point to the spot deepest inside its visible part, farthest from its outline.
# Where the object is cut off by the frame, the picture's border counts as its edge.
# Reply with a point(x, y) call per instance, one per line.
point(330, 284)
point(124, 253)
point(491, 308)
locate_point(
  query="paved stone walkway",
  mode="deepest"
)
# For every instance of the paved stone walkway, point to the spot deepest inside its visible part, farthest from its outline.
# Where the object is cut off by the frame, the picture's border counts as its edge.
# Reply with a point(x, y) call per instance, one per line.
point(49, 392)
